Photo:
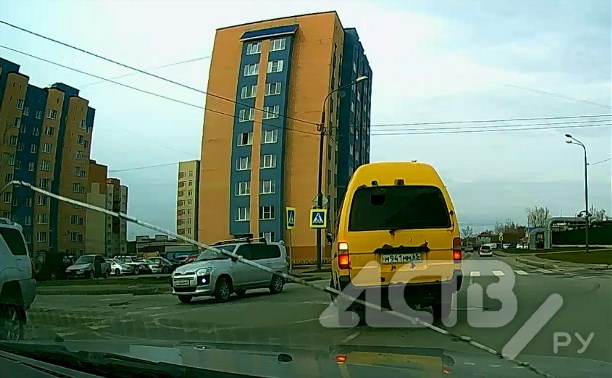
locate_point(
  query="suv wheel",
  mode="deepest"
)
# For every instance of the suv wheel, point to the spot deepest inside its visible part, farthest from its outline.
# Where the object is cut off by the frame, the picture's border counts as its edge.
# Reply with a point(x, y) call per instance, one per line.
point(107, 274)
point(223, 289)
point(13, 322)
point(136, 270)
point(276, 285)
point(185, 298)
point(117, 272)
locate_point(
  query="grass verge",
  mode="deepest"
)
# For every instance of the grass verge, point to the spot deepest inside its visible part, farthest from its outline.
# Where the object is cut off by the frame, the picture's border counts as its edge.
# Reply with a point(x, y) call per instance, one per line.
point(593, 257)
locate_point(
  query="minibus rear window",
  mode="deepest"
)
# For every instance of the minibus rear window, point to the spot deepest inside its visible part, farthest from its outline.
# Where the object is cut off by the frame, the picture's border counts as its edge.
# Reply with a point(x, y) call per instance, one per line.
point(398, 208)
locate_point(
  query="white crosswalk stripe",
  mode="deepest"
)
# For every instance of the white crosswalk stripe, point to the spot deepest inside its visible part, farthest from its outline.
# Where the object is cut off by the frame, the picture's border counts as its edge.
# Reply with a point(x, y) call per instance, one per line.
point(521, 272)
point(498, 273)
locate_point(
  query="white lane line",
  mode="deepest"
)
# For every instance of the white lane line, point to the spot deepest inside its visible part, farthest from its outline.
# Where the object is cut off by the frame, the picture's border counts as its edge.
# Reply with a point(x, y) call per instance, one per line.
point(153, 308)
point(469, 363)
point(64, 334)
point(494, 365)
point(311, 320)
point(349, 338)
point(498, 273)
point(96, 327)
point(521, 272)
point(133, 313)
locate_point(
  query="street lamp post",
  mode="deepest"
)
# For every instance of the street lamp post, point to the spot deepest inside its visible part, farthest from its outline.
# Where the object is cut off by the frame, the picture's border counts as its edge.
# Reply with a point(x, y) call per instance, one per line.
point(321, 128)
point(572, 140)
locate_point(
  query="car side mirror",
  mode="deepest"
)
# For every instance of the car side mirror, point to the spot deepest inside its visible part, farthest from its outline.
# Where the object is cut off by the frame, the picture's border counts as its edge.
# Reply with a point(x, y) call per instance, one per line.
point(234, 258)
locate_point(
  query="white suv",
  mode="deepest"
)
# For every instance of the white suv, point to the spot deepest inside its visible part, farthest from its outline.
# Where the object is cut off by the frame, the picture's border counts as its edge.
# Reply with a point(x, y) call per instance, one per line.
point(216, 274)
point(18, 287)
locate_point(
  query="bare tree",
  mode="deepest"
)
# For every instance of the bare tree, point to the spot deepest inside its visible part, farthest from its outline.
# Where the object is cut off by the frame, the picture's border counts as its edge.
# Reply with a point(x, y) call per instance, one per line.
point(509, 225)
point(467, 232)
point(537, 216)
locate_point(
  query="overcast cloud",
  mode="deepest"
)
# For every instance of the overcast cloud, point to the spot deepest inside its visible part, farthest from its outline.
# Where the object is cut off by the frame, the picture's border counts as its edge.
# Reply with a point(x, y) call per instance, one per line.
point(432, 61)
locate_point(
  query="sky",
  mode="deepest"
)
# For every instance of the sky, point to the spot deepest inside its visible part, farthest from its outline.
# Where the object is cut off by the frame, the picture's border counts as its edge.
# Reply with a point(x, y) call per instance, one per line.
point(432, 61)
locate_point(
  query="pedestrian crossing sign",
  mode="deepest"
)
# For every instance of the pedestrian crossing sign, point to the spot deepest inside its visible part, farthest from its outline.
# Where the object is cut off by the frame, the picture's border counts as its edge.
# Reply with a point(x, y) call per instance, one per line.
point(318, 218)
point(290, 218)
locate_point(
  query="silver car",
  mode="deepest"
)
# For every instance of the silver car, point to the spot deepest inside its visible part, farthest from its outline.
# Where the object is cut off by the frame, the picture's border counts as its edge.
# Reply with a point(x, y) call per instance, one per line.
point(17, 285)
point(216, 274)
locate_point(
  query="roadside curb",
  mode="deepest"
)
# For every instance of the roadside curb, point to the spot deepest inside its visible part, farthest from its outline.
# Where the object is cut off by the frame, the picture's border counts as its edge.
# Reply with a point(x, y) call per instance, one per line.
point(135, 291)
point(537, 264)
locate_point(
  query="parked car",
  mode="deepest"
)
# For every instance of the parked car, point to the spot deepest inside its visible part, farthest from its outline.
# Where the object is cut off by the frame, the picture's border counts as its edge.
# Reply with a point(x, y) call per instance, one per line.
point(161, 265)
point(138, 265)
point(118, 268)
point(485, 250)
point(219, 275)
point(17, 284)
point(89, 266)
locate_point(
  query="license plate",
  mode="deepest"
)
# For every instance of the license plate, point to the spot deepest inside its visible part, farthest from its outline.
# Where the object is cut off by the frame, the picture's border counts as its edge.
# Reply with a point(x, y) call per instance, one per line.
point(181, 282)
point(401, 258)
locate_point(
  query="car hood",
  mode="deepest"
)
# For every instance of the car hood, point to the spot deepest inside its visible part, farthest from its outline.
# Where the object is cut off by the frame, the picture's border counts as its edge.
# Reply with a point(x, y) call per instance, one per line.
point(79, 266)
point(309, 361)
point(192, 267)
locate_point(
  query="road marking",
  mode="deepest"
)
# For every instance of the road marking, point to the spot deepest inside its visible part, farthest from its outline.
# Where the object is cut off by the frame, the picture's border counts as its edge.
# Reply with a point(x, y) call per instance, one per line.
point(469, 363)
point(474, 274)
point(64, 334)
point(521, 272)
point(133, 313)
point(349, 338)
point(153, 308)
point(498, 273)
point(311, 320)
point(96, 327)
point(544, 271)
point(494, 365)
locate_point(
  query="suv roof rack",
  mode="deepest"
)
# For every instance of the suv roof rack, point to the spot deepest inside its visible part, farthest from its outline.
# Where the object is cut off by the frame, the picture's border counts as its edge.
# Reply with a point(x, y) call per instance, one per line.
point(247, 238)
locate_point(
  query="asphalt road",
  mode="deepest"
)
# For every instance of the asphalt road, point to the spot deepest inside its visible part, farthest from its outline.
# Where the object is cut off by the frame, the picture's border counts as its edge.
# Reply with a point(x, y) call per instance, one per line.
point(295, 318)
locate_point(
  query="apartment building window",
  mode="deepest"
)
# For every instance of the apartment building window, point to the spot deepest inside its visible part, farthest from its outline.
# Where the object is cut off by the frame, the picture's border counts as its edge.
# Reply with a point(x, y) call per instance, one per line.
point(253, 48)
point(251, 69)
point(271, 112)
point(275, 66)
point(38, 114)
point(52, 114)
point(353, 106)
point(79, 155)
point(243, 163)
point(8, 178)
point(243, 188)
point(20, 104)
point(20, 146)
point(41, 237)
point(355, 67)
point(190, 174)
point(35, 131)
point(243, 214)
point(45, 165)
point(180, 193)
point(29, 202)
point(49, 130)
point(273, 88)
point(28, 220)
point(249, 91)
point(83, 124)
point(268, 161)
point(11, 159)
point(26, 111)
point(16, 122)
point(268, 187)
point(246, 115)
point(23, 128)
point(44, 184)
point(78, 188)
point(190, 192)
point(269, 236)
point(18, 164)
point(277, 44)
point(43, 218)
point(270, 136)
point(8, 197)
point(13, 140)
point(33, 148)
point(80, 139)
point(245, 139)
point(31, 166)
point(181, 175)
point(266, 212)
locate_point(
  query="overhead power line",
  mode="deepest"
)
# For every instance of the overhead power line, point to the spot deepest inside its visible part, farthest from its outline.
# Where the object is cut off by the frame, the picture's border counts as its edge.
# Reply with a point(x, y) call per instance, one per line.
point(143, 167)
point(601, 161)
point(557, 95)
point(440, 132)
point(149, 92)
point(488, 120)
point(494, 126)
point(146, 72)
point(136, 73)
